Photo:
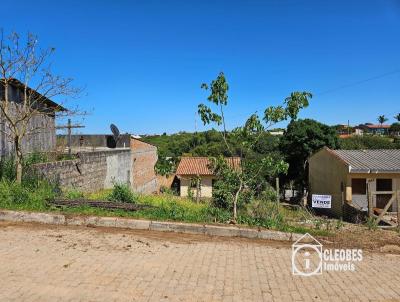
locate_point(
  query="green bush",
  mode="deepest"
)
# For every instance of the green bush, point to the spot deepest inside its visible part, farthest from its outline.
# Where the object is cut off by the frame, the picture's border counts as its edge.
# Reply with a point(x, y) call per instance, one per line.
point(168, 191)
point(122, 193)
point(268, 195)
point(35, 158)
point(371, 223)
point(73, 194)
point(29, 176)
point(20, 196)
point(265, 214)
point(7, 168)
point(367, 142)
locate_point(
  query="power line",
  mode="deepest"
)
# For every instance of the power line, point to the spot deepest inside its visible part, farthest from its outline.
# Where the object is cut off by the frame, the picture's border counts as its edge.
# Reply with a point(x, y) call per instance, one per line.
point(358, 82)
point(340, 87)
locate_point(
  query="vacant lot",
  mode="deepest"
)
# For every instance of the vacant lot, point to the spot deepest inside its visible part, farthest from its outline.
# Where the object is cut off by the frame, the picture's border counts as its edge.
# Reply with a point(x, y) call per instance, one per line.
point(44, 263)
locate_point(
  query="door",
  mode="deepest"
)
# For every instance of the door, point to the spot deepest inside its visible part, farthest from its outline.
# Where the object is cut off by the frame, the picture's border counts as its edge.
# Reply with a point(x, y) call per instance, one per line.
point(383, 184)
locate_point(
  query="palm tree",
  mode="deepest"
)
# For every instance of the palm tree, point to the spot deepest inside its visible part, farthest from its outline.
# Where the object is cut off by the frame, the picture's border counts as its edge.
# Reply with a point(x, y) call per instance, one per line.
point(397, 117)
point(381, 120)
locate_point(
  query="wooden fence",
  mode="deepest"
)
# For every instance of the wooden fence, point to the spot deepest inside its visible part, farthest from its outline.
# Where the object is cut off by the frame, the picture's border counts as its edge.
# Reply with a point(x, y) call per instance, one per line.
point(394, 199)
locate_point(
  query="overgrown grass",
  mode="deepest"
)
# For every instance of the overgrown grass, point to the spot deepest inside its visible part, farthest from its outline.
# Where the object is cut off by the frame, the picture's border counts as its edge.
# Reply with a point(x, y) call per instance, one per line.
point(33, 196)
point(25, 197)
point(172, 208)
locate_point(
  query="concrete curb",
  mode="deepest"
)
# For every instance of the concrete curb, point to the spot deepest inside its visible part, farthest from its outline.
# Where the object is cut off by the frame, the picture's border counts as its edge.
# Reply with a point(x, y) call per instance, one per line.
point(137, 224)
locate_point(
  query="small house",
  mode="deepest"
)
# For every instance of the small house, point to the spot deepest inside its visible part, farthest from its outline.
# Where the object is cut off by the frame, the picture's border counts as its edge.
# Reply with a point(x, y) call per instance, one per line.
point(374, 129)
point(351, 177)
point(195, 174)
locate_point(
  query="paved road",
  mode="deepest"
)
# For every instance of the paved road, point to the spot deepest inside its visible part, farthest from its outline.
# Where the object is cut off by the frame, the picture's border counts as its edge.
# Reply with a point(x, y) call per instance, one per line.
point(41, 263)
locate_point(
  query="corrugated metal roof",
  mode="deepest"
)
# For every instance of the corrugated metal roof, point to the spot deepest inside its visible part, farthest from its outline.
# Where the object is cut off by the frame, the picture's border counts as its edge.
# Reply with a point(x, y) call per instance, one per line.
point(370, 161)
point(200, 165)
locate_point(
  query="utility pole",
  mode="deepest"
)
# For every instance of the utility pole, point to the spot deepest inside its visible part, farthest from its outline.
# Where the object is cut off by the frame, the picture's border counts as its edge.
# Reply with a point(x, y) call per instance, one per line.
point(69, 128)
point(348, 127)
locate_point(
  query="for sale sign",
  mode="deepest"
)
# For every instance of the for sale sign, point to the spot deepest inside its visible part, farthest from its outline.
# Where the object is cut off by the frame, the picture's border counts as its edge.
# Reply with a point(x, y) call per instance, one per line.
point(321, 201)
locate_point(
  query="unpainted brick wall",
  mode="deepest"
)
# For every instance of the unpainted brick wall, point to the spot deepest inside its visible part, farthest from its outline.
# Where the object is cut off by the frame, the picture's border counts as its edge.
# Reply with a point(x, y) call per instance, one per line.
point(91, 171)
point(144, 158)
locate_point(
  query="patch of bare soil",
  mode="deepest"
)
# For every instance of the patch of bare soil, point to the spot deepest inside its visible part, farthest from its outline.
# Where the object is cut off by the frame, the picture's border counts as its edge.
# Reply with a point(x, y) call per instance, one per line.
point(360, 237)
point(142, 236)
point(351, 236)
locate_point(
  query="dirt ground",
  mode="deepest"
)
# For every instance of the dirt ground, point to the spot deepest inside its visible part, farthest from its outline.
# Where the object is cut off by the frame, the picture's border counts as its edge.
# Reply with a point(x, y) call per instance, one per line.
point(359, 236)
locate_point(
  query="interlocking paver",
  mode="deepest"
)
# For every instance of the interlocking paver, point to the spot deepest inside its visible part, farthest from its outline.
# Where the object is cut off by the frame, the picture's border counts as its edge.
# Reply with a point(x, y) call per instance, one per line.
point(43, 263)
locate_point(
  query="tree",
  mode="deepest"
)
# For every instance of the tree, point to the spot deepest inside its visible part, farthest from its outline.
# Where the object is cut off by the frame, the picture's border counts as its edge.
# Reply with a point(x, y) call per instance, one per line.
point(300, 140)
point(234, 180)
point(381, 119)
point(397, 117)
point(358, 142)
point(23, 60)
point(395, 129)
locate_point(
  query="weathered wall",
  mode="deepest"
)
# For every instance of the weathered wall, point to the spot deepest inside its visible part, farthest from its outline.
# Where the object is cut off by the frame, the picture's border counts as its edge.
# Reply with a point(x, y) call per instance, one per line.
point(326, 174)
point(93, 140)
point(144, 158)
point(205, 186)
point(165, 181)
point(91, 171)
point(42, 136)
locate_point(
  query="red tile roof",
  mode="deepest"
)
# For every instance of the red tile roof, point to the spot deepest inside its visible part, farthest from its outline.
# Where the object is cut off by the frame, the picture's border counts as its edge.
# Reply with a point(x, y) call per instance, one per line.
point(200, 165)
point(377, 126)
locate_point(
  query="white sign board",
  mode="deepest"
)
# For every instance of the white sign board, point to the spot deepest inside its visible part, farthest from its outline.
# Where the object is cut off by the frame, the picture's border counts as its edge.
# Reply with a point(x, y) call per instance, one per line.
point(321, 201)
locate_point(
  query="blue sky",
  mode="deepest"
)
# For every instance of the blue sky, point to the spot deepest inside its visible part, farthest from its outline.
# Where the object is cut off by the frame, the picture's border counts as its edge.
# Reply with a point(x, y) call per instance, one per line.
point(142, 62)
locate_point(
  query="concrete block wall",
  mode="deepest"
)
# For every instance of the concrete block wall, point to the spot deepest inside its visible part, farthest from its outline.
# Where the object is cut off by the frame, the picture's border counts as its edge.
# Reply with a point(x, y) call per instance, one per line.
point(144, 158)
point(91, 171)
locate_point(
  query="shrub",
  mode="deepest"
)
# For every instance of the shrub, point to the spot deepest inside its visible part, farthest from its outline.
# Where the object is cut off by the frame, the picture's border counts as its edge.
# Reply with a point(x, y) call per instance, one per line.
point(30, 177)
point(168, 191)
point(245, 197)
point(7, 168)
point(121, 192)
point(20, 196)
point(268, 195)
point(367, 142)
point(221, 196)
point(371, 223)
point(266, 214)
point(73, 194)
point(35, 158)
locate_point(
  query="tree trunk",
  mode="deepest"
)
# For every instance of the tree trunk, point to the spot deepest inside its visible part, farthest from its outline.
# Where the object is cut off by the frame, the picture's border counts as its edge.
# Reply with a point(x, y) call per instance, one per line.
point(18, 160)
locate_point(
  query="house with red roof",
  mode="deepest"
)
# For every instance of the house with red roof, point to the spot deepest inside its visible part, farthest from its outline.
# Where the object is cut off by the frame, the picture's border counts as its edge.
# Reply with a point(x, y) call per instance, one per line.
point(374, 129)
point(197, 178)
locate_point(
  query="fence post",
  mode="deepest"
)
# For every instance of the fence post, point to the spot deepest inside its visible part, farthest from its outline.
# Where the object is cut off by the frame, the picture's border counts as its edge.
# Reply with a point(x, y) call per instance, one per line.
point(398, 210)
point(369, 198)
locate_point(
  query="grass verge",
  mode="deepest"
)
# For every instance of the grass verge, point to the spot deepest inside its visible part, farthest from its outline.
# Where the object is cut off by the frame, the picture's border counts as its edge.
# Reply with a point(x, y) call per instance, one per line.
point(164, 207)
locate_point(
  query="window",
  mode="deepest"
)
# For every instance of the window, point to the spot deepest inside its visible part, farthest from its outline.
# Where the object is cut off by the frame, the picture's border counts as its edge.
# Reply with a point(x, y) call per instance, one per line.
point(359, 186)
point(384, 184)
point(194, 182)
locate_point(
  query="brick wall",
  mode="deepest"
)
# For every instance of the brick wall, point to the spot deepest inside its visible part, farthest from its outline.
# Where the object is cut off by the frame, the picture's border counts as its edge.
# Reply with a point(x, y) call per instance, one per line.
point(144, 158)
point(91, 171)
